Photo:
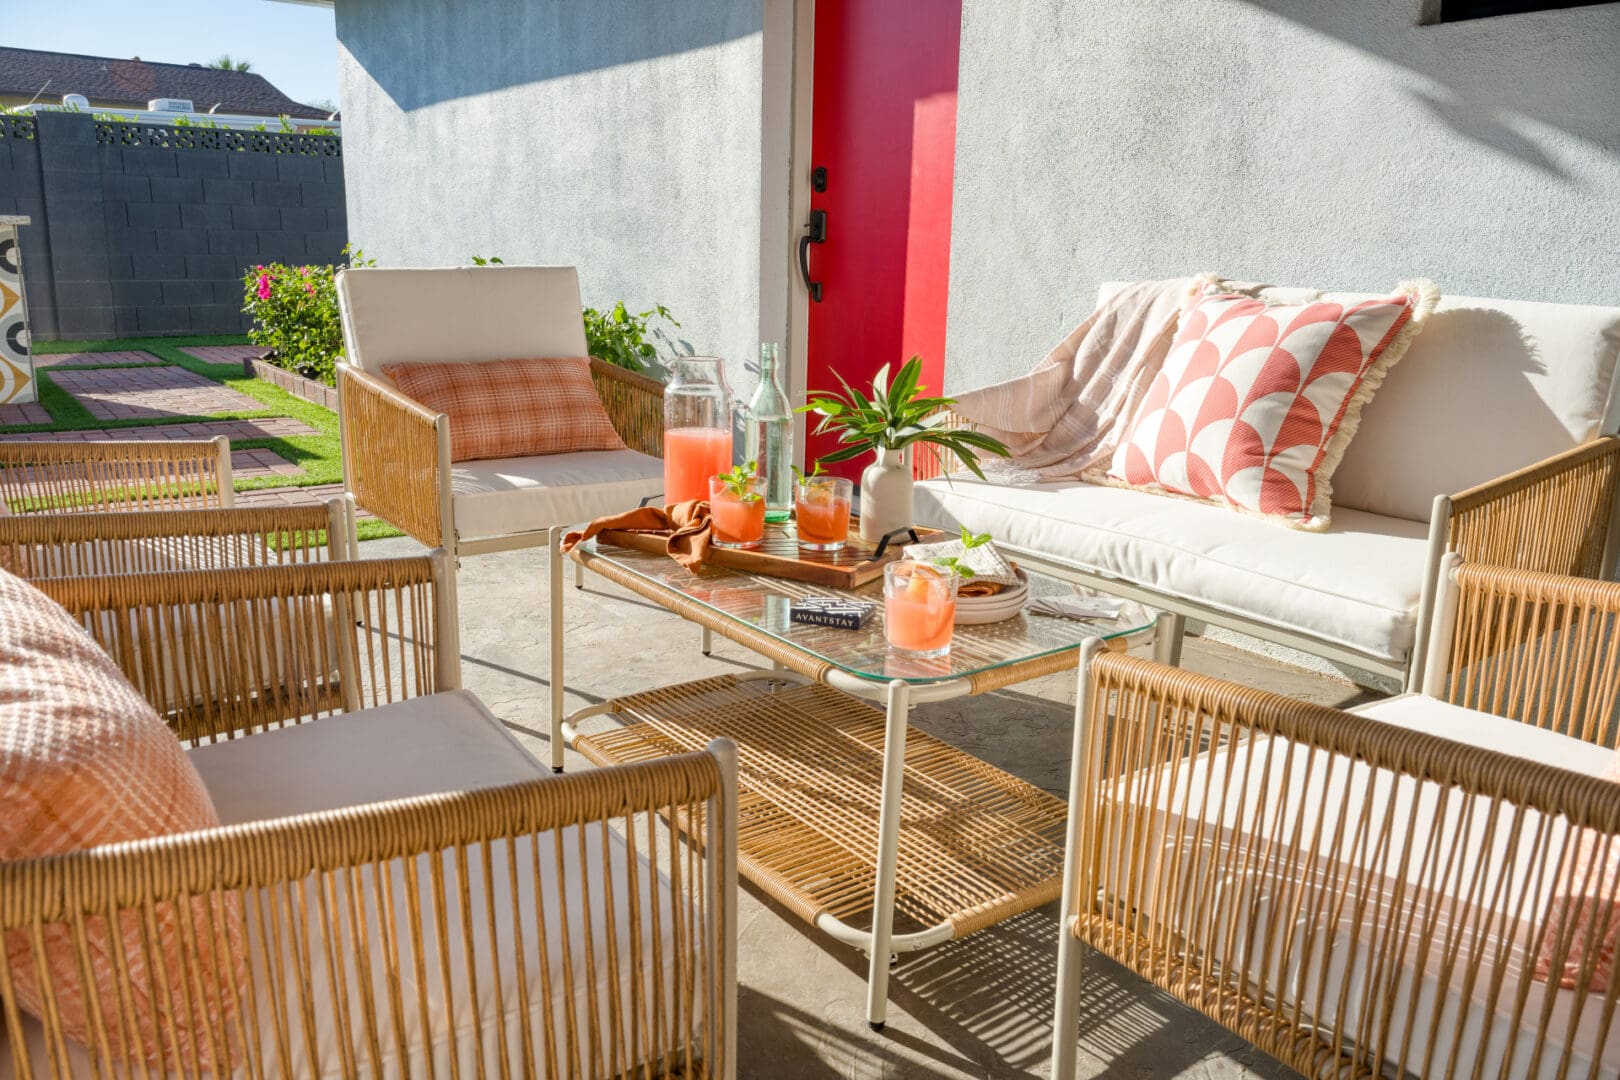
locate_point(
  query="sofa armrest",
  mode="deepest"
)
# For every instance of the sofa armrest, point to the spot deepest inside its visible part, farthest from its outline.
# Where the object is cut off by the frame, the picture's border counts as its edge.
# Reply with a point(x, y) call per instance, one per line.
point(396, 456)
point(127, 474)
point(634, 403)
point(222, 652)
point(38, 546)
point(1256, 856)
point(280, 946)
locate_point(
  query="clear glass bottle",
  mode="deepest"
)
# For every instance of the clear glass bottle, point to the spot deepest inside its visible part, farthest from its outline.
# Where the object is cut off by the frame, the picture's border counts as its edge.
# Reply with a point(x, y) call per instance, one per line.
point(768, 435)
point(697, 428)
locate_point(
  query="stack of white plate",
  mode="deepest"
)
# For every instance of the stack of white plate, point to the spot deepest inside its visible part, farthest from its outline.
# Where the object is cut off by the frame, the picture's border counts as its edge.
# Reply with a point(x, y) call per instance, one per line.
point(974, 610)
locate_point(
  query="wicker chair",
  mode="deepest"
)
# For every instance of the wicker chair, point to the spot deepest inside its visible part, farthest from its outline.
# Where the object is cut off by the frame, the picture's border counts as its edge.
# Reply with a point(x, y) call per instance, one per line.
point(38, 546)
point(1357, 895)
point(396, 453)
point(403, 889)
point(56, 477)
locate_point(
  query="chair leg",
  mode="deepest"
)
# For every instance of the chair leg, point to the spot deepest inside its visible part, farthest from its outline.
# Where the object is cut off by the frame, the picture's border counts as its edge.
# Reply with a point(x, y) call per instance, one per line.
point(579, 575)
point(1066, 1020)
point(707, 641)
point(1169, 631)
point(554, 569)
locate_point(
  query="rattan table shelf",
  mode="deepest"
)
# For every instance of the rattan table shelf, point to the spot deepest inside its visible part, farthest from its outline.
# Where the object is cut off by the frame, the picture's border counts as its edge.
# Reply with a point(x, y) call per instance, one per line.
point(850, 818)
point(977, 845)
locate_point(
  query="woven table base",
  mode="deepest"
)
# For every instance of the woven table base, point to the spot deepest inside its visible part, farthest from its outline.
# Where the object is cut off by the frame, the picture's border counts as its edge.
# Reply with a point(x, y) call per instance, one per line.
point(976, 844)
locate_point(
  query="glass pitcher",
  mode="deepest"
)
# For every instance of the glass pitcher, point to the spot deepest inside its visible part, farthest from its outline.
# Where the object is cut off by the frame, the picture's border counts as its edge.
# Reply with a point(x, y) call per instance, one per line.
point(697, 428)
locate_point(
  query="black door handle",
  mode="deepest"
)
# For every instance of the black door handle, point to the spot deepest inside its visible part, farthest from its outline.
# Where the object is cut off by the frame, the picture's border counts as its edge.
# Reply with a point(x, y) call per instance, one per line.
point(814, 233)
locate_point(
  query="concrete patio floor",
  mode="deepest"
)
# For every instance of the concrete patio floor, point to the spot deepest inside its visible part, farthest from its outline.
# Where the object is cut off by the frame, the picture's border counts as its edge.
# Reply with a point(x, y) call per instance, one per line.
point(979, 1007)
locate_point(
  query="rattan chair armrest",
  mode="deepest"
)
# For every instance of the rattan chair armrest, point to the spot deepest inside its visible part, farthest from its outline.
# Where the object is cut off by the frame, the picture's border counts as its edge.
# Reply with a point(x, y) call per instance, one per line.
point(1211, 821)
point(75, 545)
point(237, 650)
point(1554, 515)
point(634, 403)
point(929, 461)
point(239, 937)
point(125, 474)
point(395, 455)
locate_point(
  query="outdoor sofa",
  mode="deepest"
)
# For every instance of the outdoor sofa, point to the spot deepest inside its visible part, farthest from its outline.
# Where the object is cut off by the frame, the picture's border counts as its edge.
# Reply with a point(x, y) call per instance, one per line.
point(1369, 892)
point(1492, 437)
point(57, 476)
point(395, 889)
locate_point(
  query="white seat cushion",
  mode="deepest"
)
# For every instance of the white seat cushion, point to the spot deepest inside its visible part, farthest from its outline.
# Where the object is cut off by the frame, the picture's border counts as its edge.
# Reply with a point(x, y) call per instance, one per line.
point(442, 742)
point(1355, 585)
point(505, 496)
point(1273, 905)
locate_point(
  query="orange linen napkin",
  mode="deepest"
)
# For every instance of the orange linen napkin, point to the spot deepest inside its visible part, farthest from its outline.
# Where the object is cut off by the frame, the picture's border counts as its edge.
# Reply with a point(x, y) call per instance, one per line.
point(686, 524)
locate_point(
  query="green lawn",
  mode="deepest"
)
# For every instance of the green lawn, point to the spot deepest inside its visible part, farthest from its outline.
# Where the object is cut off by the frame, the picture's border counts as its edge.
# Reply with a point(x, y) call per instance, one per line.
point(316, 455)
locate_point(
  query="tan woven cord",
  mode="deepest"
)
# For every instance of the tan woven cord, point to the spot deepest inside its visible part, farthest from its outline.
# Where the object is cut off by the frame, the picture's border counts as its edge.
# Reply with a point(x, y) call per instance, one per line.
point(635, 405)
point(391, 455)
point(121, 475)
point(1239, 849)
point(344, 925)
point(976, 845)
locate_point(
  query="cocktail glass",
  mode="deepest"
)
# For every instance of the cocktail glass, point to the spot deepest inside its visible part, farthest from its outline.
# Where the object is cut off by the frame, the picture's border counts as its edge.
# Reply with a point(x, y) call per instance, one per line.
point(737, 516)
point(919, 608)
point(821, 512)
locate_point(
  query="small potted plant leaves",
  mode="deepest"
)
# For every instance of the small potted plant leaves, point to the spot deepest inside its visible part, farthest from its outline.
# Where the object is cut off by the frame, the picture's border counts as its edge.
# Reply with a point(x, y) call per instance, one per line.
point(893, 419)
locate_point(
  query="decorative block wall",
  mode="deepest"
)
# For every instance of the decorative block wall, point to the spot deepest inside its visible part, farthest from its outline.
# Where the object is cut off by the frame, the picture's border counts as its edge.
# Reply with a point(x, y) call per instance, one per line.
point(16, 364)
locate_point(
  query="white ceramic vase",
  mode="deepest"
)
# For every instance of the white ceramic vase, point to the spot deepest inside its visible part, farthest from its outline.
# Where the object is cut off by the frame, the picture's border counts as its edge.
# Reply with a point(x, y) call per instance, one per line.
point(885, 495)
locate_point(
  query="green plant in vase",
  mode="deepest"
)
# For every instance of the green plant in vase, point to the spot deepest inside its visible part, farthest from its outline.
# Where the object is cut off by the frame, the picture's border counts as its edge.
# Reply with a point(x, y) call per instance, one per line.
point(893, 419)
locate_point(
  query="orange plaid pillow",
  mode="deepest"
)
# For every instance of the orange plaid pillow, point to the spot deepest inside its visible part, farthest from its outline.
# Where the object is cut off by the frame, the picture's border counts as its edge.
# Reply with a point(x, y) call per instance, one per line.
point(512, 408)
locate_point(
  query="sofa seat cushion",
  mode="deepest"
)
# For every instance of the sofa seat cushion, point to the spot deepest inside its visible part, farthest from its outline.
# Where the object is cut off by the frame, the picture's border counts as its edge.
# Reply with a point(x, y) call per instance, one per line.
point(1336, 952)
point(1355, 584)
point(441, 742)
point(504, 496)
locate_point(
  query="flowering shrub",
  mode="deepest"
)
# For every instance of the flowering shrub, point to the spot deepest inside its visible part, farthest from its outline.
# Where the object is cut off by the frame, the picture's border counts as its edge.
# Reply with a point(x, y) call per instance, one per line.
point(295, 315)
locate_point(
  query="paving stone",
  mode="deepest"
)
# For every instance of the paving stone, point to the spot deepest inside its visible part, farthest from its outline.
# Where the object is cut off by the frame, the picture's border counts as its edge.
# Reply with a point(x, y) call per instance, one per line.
point(274, 427)
point(26, 413)
point(89, 359)
point(257, 463)
point(291, 496)
point(145, 393)
point(223, 354)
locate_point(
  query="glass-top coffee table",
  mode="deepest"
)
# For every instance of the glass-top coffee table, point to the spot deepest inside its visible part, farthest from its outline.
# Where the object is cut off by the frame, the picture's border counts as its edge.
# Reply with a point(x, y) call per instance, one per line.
point(822, 826)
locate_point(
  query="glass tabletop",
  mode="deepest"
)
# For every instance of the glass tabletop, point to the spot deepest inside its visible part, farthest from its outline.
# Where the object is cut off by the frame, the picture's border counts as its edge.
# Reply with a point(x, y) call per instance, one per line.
point(763, 603)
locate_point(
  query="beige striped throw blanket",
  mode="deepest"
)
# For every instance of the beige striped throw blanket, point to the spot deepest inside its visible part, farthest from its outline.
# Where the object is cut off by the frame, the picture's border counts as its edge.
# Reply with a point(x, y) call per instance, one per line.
point(1066, 416)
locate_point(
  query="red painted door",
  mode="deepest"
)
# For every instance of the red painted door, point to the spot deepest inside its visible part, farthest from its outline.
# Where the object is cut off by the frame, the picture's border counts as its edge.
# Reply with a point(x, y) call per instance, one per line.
point(883, 126)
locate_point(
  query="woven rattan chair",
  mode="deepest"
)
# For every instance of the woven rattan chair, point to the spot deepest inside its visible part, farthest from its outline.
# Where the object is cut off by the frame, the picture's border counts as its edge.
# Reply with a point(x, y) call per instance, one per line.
point(79, 545)
point(396, 453)
point(402, 888)
point(1357, 895)
point(57, 477)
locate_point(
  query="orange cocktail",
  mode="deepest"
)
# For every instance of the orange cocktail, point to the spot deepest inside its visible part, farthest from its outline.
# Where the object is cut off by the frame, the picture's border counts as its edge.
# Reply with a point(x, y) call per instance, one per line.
point(737, 512)
point(821, 512)
point(692, 455)
point(919, 608)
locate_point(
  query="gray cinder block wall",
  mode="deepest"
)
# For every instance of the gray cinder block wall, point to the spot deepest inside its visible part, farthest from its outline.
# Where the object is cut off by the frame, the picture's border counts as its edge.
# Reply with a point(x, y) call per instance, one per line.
point(145, 230)
point(1304, 142)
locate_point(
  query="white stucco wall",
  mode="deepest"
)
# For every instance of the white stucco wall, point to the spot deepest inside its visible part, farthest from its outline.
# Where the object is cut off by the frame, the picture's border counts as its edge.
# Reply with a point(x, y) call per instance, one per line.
point(621, 137)
point(1334, 143)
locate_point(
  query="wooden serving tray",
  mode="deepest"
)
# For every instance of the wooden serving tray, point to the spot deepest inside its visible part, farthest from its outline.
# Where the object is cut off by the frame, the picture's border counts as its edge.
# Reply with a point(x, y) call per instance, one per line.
point(779, 556)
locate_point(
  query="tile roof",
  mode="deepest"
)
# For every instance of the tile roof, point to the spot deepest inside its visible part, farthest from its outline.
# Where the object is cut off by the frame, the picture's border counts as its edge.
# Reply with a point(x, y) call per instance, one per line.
point(132, 83)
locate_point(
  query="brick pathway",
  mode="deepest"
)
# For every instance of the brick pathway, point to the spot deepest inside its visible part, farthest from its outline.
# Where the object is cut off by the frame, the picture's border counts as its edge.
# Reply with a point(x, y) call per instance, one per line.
point(223, 354)
point(254, 463)
point(273, 427)
point(292, 496)
point(88, 359)
point(30, 413)
point(147, 393)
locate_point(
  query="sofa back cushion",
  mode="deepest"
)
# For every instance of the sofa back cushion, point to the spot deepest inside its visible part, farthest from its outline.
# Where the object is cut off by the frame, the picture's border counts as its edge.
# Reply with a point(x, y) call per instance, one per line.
point(1489, 386)
point(407, 316)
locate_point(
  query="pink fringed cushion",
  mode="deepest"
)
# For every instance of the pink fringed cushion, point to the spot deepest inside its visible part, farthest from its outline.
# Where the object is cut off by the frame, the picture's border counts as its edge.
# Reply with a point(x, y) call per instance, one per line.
point(1584, 921)
point(1256, 402)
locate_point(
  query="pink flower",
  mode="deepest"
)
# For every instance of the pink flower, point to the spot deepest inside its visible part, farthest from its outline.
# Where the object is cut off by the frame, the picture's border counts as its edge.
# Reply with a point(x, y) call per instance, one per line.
point(310, 289)
point(264, 286)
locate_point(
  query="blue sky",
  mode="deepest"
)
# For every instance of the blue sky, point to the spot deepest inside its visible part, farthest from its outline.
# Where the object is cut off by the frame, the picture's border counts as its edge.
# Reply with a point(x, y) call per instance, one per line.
point(292, 45)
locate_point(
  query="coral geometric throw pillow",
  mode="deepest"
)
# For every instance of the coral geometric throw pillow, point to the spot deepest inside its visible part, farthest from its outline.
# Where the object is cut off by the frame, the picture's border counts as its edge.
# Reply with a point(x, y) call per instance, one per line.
point(1256, 402)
